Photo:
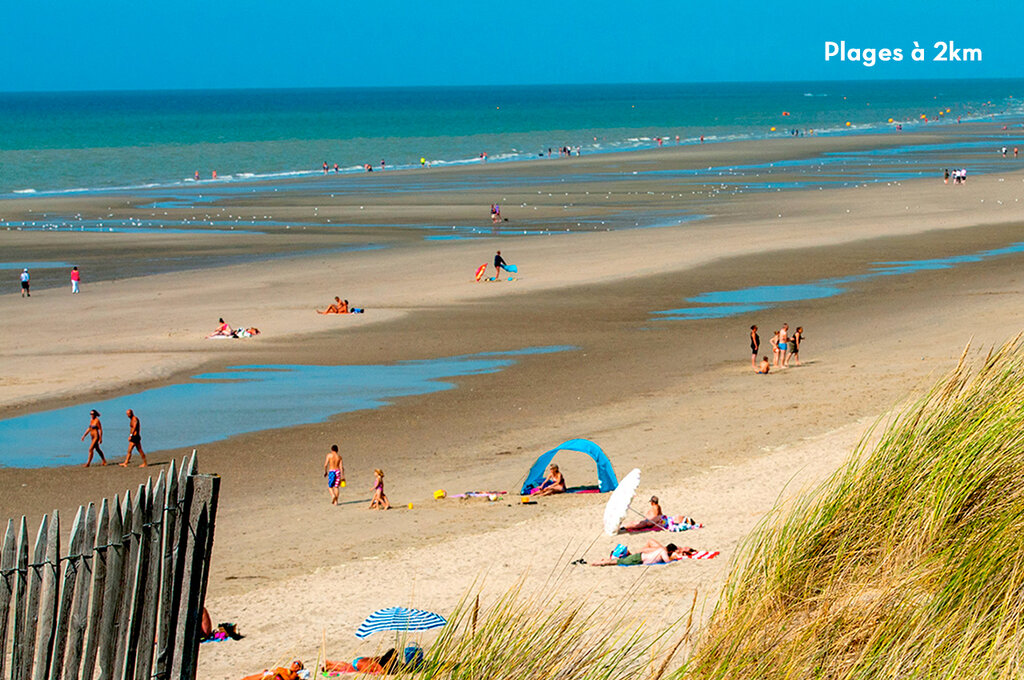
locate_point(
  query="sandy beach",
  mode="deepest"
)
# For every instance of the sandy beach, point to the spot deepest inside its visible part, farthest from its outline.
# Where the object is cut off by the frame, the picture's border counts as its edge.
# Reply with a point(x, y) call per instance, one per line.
point(675, 398)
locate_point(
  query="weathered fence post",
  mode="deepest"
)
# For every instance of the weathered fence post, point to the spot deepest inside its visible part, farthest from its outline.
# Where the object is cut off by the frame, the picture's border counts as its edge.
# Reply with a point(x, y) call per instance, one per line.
point(127, 602)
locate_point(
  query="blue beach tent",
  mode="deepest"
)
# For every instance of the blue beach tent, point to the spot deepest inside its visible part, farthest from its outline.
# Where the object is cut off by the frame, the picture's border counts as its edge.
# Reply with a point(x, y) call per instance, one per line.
point(605, 474)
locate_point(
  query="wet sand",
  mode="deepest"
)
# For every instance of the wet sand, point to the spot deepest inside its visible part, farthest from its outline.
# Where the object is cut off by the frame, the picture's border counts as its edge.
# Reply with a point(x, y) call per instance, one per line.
point(677, 399)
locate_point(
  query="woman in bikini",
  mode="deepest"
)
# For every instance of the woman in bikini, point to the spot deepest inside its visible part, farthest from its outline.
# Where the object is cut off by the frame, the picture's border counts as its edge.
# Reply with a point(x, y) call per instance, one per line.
point(95, 430)
point(380, 500)
point(775, 347)
point(654, 518)
point(222, 330)
point(339, 307)
point(554, 483)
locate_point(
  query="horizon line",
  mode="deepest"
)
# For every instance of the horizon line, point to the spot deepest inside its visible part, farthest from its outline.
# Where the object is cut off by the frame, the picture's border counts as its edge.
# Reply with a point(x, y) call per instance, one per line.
point(267, 88)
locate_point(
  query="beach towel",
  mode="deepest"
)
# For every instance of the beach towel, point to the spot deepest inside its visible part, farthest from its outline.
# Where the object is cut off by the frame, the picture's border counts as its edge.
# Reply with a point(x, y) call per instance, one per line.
point(478, 494)
point(703, 555)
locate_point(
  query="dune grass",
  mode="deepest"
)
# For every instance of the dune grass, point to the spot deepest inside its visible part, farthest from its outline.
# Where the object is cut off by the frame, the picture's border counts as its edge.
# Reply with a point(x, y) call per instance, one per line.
point(521, 637)
point(908, 562)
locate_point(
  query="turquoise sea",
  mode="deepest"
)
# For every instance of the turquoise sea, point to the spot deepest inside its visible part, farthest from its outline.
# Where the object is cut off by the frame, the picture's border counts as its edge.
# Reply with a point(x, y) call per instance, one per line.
point(70, 142)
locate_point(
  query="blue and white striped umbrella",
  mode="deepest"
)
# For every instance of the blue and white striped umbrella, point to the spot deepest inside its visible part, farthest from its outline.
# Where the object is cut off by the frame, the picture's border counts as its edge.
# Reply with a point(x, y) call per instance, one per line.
point(399, 619)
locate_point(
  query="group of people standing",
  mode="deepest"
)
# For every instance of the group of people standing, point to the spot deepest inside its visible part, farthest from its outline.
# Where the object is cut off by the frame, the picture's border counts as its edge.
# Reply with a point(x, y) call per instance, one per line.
point(26, 282)
point(785, 349)
point(95, 432)
point(959, 175)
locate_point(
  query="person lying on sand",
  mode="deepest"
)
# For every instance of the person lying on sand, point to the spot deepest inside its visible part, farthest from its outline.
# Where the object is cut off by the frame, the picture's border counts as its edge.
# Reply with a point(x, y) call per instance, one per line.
point(280, 673)
point(652, 553)
point(553, 483)
point(385, 663)
point(653, 518)
point(222, 330)
point(339, 307)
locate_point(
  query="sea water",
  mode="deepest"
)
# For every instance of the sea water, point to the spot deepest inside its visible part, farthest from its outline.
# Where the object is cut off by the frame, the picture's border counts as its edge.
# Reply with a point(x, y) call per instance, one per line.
point(240, 399)
point(83, 141)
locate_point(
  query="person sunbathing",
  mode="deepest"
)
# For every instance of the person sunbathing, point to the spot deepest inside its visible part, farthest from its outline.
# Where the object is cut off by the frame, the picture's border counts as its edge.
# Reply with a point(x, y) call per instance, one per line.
point(223, 330)
point(387, 662)
point(279, 673)
point(654, 518)
point(652, 553)
point(552, 484)
point(339, 307)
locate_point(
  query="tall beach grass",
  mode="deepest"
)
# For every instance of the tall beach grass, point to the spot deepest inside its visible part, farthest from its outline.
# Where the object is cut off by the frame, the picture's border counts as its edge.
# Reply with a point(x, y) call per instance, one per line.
point(908, 562)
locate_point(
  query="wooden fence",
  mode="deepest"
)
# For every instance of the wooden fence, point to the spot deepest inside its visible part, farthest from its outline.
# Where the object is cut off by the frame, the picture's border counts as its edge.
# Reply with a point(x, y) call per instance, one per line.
point(124, 601)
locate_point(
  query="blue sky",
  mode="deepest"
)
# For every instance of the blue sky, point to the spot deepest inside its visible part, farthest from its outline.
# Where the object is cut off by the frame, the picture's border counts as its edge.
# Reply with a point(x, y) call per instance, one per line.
point(113, 44)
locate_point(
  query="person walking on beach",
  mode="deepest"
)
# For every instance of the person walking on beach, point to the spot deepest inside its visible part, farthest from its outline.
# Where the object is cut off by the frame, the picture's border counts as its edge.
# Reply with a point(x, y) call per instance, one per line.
point(499, 264)
point(334, 471)
point(134, 438)
point(24, 284)
point(95, 430)
point(75, 278)
point(380, 500)
point(755, 344)
point(794, 351)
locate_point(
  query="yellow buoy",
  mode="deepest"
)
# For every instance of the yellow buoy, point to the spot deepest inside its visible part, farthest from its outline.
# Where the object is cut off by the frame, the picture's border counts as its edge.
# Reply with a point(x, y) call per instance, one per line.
point(847, 123)
point(772, 130)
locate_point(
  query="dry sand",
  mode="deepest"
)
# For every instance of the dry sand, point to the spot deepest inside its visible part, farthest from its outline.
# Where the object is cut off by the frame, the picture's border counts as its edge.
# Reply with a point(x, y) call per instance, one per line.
point(677, 399)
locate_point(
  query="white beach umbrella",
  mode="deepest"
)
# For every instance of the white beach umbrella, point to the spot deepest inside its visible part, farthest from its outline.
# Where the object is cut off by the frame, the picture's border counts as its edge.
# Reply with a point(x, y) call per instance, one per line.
point(618, 504)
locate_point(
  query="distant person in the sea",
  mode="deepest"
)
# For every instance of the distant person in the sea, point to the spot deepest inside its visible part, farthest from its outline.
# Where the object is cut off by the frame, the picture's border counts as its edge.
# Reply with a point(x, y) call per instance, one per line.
point(339, 307)
point(76, 277)
point(755, 344)
point(334, 471)
point(95, 430)
point(197, 175)
point(214, 174)
point(223, 329)
point(782, 356)
point(382, 165)
point(325, 167)
point(499, 264)
point(553, 483)
point(794, 345)
point(134, 438)
point(653, 518)
point(380, 499)
point(25, 284)
point(765, 367)
point(336, 169)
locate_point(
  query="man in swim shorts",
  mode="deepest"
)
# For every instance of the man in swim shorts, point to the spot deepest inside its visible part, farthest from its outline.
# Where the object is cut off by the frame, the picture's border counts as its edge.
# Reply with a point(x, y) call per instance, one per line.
point(334, 471)
point(134, 438)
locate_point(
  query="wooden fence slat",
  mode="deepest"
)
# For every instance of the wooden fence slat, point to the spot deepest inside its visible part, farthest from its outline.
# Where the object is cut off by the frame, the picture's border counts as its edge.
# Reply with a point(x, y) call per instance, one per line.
point(182, 556)
point(48, 600)
point(8, 578)
point(135, 578)
point(20, 593)
point(80, 612)
point(35, 582)
point(166, 624)
point(152, 534)
point(99, 585)
point(72, 567)
point(133, 516)
point(111, 592)
point(201, 497)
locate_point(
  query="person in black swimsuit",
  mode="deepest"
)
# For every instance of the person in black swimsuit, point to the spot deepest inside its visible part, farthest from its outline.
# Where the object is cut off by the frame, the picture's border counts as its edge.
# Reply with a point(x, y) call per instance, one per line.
point(755, 344)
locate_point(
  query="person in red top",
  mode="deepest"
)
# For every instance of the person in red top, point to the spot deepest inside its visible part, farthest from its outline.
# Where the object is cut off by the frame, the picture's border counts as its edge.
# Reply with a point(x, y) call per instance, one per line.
point(75, 278)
